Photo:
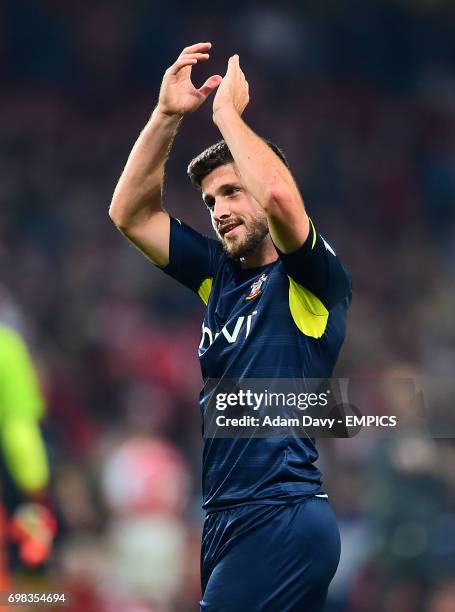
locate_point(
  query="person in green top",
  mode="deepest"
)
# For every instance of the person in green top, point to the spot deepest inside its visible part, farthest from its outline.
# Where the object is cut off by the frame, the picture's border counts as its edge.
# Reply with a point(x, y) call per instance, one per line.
point(23, 454)
point(21, 409)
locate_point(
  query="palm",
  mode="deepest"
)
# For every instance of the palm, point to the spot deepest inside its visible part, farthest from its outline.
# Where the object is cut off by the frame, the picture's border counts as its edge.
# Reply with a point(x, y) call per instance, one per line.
point(178, 95)
point(233, 90)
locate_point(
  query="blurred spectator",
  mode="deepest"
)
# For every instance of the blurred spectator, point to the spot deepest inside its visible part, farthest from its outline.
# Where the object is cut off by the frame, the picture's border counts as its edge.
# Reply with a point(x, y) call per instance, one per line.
point(27, 526)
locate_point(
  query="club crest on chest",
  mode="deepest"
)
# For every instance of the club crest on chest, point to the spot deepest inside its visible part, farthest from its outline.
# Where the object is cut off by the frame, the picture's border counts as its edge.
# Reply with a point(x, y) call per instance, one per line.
point(256, 287)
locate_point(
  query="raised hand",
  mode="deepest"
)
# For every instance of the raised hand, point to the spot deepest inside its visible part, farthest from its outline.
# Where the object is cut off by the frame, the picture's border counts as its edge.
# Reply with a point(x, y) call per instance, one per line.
point(178, 96)
point(233, 91)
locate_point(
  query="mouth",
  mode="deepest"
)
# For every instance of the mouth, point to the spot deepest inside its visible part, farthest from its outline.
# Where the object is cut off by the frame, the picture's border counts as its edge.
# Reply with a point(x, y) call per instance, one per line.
point(229, 229)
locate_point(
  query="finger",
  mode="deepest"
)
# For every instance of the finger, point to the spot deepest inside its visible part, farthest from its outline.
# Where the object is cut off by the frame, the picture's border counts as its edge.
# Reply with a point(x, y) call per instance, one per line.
point(179, 64)
point(230, 65)
point(210, 84)
point(236, 61)
point(199, 56)
point(202, 46)
point(233, 63)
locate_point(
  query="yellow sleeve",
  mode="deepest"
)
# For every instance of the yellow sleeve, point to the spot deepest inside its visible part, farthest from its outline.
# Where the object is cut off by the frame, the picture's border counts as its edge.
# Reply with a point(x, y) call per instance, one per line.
point(21, 407)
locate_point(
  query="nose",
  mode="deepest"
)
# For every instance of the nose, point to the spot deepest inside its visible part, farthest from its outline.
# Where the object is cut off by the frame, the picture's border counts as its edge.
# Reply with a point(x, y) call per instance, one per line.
point(221, 210)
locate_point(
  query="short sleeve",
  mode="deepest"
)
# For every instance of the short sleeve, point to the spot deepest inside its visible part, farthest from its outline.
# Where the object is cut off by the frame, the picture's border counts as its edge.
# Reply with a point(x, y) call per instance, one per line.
point(316, 267)
point(191, 258)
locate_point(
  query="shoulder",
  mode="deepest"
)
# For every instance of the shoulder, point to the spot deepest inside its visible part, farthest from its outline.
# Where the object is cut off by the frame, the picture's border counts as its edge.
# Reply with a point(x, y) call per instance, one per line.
point(10, 339)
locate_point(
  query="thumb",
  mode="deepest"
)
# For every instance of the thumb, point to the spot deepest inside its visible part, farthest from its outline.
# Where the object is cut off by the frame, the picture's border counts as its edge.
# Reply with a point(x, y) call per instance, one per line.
point(210, 85)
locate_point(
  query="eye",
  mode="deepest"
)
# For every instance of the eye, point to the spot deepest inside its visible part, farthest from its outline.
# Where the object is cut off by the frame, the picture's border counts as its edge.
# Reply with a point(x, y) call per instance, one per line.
point(209, 202)
point(232, 190)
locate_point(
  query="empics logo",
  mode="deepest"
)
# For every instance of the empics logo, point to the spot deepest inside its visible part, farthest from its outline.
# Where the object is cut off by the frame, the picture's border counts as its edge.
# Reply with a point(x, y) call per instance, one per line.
point(256, 287)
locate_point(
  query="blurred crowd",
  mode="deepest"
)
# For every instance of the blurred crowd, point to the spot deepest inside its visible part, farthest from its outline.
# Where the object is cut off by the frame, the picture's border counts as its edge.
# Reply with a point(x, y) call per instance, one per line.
point(361, 97)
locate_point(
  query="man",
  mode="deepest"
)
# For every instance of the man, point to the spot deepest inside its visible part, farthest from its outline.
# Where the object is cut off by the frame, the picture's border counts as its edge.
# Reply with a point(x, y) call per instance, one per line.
point(276, 299)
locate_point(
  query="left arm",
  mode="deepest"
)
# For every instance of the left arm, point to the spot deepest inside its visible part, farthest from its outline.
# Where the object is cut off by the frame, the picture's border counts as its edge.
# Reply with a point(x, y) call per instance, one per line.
point(264, 174)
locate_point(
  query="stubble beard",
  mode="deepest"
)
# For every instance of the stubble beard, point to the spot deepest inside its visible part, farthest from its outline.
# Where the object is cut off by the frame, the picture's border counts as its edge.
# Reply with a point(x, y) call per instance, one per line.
point(256, 231)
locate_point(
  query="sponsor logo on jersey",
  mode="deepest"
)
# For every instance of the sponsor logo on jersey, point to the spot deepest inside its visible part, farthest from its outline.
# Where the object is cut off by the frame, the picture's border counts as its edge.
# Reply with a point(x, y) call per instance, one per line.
point(241, 329)
point(256, 287)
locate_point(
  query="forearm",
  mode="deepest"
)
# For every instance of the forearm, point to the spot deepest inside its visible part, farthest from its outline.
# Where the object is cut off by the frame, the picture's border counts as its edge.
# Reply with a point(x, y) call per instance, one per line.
point(138, 192)
point(267, 179)
point(24, 453)
point(263, 173)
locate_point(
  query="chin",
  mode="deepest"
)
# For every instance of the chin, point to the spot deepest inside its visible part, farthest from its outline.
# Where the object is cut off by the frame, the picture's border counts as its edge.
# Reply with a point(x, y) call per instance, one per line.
point(235, 246)
point(234, 251)
point(248, 242)
point(237, 249)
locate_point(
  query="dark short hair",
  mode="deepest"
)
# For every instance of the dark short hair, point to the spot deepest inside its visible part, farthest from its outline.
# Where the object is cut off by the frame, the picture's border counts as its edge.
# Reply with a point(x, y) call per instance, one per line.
point(217, 155)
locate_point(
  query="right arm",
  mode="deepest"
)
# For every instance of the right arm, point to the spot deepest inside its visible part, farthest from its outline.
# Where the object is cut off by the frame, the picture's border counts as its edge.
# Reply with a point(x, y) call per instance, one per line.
point(136, 207)
point(136, 204)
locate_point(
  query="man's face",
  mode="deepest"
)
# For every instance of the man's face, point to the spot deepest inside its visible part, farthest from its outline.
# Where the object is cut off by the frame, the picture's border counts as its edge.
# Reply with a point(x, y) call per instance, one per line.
point(237, 218)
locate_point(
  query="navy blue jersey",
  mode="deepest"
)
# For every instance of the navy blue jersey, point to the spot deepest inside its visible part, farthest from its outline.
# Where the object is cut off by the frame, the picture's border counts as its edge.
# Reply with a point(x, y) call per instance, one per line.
point(286, 319)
